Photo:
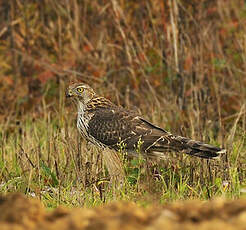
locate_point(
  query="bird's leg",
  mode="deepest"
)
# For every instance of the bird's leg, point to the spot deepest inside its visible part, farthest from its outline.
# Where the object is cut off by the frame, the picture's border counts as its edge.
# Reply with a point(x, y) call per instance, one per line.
point(115, 167)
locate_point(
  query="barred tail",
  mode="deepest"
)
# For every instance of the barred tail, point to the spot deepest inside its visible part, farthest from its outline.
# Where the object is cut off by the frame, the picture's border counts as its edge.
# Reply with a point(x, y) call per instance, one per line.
point(169, 142)
point(199, 149)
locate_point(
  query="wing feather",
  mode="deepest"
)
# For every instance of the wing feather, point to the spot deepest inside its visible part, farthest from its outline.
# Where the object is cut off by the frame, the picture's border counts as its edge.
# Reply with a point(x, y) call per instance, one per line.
point(110, 126)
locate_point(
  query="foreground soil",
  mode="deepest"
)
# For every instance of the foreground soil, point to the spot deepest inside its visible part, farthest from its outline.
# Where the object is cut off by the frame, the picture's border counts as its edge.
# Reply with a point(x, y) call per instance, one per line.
point(19, 212)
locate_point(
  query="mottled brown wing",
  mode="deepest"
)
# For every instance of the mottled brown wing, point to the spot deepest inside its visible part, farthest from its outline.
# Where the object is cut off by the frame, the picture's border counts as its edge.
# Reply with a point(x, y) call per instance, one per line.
point(112, 125)
point(109, 126)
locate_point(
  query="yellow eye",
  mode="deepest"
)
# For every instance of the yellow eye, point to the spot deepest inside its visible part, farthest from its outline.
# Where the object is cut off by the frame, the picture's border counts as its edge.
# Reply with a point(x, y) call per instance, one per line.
point(79, 90)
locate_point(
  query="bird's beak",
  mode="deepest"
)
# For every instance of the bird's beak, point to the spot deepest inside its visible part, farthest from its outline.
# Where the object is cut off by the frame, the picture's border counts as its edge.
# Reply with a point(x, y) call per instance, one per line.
point(69, 93)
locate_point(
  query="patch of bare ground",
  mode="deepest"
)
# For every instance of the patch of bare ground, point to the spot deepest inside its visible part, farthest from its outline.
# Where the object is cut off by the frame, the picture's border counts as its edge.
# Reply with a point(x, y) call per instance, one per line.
point(18, 212)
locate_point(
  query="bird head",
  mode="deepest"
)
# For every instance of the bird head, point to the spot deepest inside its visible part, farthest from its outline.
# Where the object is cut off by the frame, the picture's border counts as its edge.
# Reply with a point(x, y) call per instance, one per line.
point(81, 92)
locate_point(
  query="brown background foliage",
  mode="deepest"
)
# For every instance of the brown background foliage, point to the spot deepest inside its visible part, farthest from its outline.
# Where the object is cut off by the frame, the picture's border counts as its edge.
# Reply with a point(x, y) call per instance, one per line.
point(182, 60)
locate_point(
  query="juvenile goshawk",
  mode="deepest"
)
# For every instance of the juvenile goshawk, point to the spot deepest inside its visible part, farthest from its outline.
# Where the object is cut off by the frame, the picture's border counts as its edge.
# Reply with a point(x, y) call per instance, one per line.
point(106, 125)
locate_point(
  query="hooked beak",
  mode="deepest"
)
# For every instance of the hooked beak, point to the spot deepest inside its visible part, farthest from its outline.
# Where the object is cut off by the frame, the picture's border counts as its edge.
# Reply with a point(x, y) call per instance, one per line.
point(69, 93)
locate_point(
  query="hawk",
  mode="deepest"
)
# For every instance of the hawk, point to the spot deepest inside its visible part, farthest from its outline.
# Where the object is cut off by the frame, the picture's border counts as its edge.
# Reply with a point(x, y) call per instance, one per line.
point(107, 125)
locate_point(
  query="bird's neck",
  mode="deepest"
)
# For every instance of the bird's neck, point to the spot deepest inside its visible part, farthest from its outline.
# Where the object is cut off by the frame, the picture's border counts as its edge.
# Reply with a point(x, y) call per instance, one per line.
point(93, 104)
point(81, 107)
point(84, 102)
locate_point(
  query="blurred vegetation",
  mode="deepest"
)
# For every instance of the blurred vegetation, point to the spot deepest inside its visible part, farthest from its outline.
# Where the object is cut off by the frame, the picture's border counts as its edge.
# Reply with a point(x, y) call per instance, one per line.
point(181, 63)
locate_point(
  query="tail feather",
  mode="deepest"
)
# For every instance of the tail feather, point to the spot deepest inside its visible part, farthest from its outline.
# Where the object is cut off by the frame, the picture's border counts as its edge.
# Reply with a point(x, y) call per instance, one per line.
point(199, 149)
point(186, 145)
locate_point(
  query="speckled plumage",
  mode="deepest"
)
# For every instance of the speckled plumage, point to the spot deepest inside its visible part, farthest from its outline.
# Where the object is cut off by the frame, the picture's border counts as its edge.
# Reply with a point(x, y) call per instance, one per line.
point(107, 125)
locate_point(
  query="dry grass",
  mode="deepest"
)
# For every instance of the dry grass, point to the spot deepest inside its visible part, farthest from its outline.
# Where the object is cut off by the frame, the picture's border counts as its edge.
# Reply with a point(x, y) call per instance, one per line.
point(182, 64)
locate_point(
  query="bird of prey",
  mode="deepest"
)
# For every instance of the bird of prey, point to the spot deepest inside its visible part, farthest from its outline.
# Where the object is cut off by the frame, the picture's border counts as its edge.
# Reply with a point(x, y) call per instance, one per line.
point(107, 125)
